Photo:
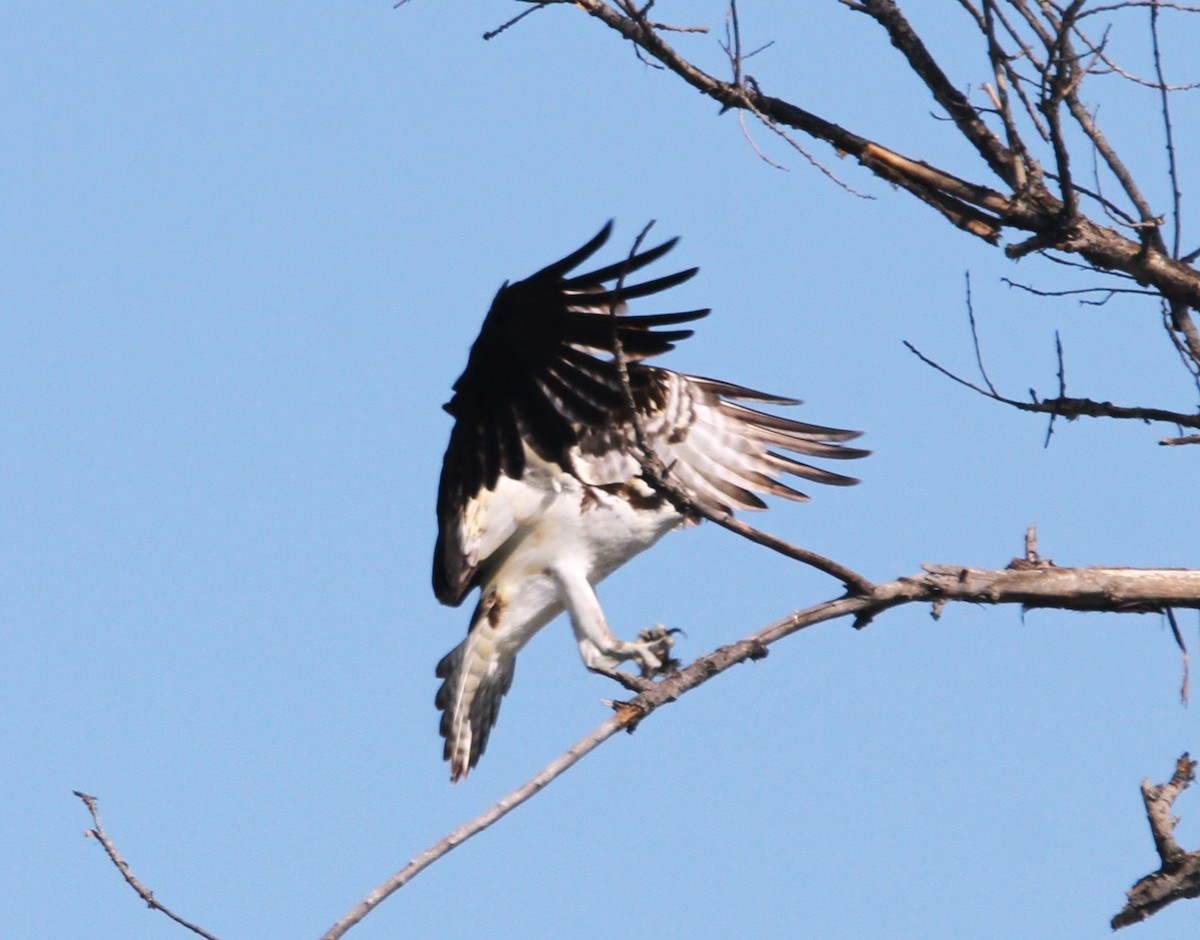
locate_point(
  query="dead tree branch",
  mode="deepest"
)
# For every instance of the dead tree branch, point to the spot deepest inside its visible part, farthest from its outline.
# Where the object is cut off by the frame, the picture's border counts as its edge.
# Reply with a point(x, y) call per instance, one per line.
point(97, 832)
point(975, 207)
point(1030, 583)
point(1178, 877)
point(1064, 406)
point(468, 830)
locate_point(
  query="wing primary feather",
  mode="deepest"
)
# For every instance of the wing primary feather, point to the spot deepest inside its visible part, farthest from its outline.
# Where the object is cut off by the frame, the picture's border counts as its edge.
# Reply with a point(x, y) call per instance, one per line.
point(560, 267)
point(613, 271)
point(816, 474)
point(797, 428)
point(595, 331)
point(742, 393)
point(645, 321)
point(605, 298)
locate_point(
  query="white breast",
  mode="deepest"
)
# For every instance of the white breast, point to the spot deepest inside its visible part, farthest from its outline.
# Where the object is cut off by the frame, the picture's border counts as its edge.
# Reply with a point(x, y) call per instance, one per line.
point(601, 527)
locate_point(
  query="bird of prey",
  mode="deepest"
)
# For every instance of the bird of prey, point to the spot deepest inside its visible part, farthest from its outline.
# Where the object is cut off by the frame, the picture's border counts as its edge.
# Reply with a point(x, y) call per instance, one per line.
point(542, 492)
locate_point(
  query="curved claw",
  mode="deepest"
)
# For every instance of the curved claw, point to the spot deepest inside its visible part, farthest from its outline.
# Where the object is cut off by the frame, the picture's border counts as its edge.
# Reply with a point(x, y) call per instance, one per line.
point(655, 642)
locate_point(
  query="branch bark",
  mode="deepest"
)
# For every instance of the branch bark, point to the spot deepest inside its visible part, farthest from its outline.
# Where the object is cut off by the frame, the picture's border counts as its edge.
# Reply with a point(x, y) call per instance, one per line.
point(1178, 877)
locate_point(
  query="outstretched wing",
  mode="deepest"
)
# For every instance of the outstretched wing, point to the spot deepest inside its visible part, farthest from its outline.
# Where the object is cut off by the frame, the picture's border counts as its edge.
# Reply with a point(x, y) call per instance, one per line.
point(540, 374)
point(720, 450)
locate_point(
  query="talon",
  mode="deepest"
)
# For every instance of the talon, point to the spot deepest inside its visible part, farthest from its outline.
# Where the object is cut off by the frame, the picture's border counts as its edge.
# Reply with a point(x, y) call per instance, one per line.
point(656, 643)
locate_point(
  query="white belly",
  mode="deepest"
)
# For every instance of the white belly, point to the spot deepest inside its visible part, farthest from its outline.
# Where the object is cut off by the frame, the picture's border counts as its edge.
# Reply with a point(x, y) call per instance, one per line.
point(559, 519)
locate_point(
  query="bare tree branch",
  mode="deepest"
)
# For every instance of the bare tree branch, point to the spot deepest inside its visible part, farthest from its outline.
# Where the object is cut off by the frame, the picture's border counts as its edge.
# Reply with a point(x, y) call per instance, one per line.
point(1064, 406)
point(1183, 652)
point(493, 33)
point(97, 832)
point(1179, 875)
point(1051, 221)
point(556, 768)
point(1029, 582)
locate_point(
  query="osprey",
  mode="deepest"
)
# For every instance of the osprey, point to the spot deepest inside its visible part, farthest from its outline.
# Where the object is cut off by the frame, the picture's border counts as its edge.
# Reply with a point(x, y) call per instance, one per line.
point(542, 493)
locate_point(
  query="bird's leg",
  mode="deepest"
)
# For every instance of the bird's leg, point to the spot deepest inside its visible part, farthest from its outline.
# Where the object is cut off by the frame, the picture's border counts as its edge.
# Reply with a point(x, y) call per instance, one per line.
point(600, 650)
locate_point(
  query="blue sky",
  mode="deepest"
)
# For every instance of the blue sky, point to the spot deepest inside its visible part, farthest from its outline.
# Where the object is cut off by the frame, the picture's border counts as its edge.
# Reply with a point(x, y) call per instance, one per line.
point(245, 250)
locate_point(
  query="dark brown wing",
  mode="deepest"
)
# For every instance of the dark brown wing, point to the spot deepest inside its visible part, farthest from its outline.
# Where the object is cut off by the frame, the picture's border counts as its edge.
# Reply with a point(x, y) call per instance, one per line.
point(540, 371)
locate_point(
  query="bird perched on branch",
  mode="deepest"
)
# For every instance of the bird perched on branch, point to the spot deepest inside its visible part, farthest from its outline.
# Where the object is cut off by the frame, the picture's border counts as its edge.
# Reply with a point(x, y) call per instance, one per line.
point(543, 490)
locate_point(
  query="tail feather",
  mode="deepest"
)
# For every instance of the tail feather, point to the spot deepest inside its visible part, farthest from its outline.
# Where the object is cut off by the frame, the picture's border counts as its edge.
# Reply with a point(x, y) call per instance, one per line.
point(477, 675)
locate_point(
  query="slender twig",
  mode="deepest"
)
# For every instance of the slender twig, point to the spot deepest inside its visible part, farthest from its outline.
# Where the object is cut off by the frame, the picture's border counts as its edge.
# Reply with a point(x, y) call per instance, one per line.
point(975, 338)
point(1000, 75)
point(496, 812)
point(1062, 386)
point(493, 33)
point(1107, 292)
point(854, 582)
point(1114, 68)
point(1134, 4)
point(1069, 408)
point(1178, 342)
point(1183, 652)
point(97, 832)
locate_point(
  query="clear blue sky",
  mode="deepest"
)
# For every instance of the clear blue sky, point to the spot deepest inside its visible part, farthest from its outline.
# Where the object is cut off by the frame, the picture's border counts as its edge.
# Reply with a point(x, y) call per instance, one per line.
point(245, 248)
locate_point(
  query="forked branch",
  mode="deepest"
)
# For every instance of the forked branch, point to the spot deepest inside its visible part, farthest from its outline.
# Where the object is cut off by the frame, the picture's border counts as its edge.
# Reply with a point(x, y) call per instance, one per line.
point(1178, 877)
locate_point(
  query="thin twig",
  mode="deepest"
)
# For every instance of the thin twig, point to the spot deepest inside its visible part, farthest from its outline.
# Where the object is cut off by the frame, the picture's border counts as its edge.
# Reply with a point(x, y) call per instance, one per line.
point(1107, 292)
point(493, 33)
point(975, 338)
point(1062, 386)
point(1069, 408)
point(855, 583)
point(1183, 652)
point(97, 832)
point(1134, 4)
point(496, 812)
